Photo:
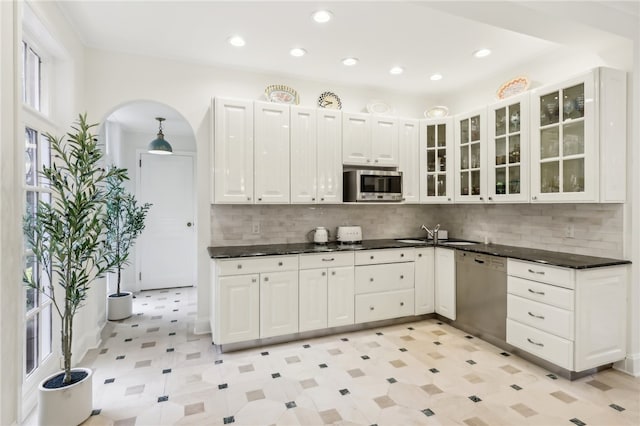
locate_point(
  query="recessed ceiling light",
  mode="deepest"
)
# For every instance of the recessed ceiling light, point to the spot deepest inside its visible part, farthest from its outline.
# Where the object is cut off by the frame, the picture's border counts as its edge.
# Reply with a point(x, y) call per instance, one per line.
point(297, 52)
point(435, 77)
point(350, 61)
point(236, 41)
point(482, 53)
point(322, 16)
point(396, 70)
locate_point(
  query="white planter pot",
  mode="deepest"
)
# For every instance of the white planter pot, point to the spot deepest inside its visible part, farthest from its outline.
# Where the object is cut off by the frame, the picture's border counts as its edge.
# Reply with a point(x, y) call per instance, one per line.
point(119, 307)
point(70, 405)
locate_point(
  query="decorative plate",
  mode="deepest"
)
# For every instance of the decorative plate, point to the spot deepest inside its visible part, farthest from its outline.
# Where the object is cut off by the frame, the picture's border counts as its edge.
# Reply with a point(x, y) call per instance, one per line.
point(281, 94)
point(329, 100)
point(378, 107)
point(437, 112)
point(513, 87)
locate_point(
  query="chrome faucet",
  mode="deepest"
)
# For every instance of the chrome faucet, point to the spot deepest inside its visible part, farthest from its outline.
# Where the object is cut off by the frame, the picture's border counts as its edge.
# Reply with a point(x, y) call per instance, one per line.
point(433, 233)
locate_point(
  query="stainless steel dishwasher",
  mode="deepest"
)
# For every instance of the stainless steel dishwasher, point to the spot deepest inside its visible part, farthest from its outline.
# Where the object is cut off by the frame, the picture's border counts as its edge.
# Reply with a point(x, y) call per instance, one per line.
point(481, 295)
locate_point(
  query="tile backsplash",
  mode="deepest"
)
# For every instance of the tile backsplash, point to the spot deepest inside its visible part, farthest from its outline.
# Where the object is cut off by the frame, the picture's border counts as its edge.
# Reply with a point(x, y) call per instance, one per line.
point(590, 229)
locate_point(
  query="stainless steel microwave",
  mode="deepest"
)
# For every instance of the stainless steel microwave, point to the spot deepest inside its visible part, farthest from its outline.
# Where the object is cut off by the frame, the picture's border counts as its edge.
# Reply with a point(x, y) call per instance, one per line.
point(372, 185)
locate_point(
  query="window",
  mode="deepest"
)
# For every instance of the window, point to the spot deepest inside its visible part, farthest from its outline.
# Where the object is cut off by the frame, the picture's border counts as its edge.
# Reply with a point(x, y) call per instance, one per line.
point(38, 308)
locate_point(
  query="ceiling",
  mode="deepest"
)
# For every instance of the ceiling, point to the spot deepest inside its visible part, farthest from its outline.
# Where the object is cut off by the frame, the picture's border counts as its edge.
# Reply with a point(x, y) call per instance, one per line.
point(423, 37)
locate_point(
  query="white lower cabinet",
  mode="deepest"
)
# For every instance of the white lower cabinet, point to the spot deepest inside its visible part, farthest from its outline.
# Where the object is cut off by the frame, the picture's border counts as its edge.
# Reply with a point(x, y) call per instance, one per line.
point(278, 303)
point(384, 284)
point(326, 290)
point(574, 318)
point(237, 313)
point(445, 282)
point(424, 280)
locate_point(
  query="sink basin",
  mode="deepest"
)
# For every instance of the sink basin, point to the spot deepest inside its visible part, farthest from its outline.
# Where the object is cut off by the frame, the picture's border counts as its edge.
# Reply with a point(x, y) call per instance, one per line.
point(457, 243)
point(410, 241)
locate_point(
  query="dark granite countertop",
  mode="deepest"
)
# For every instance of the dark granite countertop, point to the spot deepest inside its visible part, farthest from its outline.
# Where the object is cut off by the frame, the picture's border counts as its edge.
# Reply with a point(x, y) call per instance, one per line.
point(567, 260)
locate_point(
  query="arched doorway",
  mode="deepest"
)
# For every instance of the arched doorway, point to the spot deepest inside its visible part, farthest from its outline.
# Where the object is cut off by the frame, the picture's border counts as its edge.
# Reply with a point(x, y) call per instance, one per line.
point(165, 253)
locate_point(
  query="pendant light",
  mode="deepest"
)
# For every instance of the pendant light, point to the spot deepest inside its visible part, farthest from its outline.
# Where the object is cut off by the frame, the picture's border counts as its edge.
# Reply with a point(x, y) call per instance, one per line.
point(159, 145)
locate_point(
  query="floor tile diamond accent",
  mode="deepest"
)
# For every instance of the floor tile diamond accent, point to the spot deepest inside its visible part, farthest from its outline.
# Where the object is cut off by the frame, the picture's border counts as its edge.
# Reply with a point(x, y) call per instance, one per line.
point(133, 390)
point(577, 422)
point(290, 404)
point(131, 421)
point(391, 380)
point(617, 407)
point(308, 383)
point(431, 389)
point(428, 412)
point(510, 369)
point(148, 345)
point(107, 381)
point(599, 385)
point(334, 351)
point(275, 375)
point(292, 359)
point(523, 410)
point(227, 420)
point(398, 363)
point(563, 396)
point(322, 365)
point(195, 408)
point(246, 368)
point(344, 392)
point(384, 401)
point(255, 395)
point(194, 355)
point(144, 363)
point(96, 412)
point(516, 387)
point(330, 416)
point(365, 357)
point(474, 398)
point(223, 386)
point(475, 421)
point(356, 372)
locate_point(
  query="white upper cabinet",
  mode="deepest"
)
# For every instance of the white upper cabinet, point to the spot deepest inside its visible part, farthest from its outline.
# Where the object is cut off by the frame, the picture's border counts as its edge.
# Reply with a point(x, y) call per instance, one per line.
point(409, 159)
point(271, 152)
point(384, 141)
point(369, 140)
point(329, 128)
point(436, 160)
point(578, 139)
point(356, 139)
point(471, 157)
point(304, 157)
point(508, 150)
point(232, 151)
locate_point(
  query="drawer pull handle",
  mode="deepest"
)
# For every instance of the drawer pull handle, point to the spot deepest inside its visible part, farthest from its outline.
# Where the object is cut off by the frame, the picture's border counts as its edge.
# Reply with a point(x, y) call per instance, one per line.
point(536, 272)
point(536, 316)
point(324, 273)
point(535, 343)
point(401, 303)
point(239, 266)
point(541, 293)
point(371, 308)
point(279, 263)
point(331, 259)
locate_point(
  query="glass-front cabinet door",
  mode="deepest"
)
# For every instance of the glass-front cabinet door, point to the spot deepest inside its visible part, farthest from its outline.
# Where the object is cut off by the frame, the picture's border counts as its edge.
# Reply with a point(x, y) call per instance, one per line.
point(508, 150)
point(471, 155)
point(563, 142)
point(436, 160)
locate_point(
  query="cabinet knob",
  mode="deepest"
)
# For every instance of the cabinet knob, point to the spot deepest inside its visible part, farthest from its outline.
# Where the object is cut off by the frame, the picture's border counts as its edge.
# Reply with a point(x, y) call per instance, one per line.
point(371, 279)
point(534, 198)
point(248, 198)
point(402, 277)
point(376, 160)
point(371, 257)
point(322, 199)
point(371, 308)
point(481, 198)
point(259, 199)
point(239, 266)
point(490, 198)
point(324, 273)
point(266, 279)
point(401, 254)
point(448, 199)
point(419, 254)
point(368, 161)
point(401, 303)
point(333, 272)
point(279, 263)
point(253, 280)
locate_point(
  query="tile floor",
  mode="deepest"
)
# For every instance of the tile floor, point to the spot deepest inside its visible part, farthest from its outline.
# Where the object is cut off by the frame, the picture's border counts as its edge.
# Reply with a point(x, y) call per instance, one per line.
point(151, 370)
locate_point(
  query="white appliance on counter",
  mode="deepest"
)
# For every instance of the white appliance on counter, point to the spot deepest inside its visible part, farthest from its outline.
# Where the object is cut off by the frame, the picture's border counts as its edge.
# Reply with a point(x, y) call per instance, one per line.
point(349, 234)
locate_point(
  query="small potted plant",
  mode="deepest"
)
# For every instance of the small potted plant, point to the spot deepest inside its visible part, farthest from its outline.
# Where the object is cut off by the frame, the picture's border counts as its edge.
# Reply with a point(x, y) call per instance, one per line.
point(67, 237)
point(123, 223)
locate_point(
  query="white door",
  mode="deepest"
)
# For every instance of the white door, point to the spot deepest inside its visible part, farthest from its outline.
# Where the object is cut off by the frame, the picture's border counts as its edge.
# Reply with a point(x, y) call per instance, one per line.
point(445, 285)
point(271, 152)
point(278, 303)
point(329, 156)
point(239, 309)
point(166, 249)
point(340, 296)
point(356, 139)
point(424, 281)
point(303, 155)
point(409, 159)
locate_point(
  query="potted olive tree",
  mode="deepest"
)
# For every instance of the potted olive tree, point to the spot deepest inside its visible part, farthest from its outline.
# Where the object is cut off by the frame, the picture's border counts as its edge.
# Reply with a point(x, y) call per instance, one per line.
point(68, 242)
point(123, 223)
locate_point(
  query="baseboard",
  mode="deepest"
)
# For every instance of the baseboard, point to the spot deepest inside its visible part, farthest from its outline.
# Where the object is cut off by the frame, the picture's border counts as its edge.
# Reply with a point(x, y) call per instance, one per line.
point(630, 365)
point(202, 326)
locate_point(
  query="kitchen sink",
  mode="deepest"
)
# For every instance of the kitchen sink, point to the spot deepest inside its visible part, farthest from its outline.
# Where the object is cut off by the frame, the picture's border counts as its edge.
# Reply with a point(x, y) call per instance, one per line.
point(410, 241)
point(457, 243)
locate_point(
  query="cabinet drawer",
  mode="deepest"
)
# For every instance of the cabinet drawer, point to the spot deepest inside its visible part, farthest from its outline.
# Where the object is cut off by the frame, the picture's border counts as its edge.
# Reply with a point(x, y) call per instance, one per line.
point(325, 260)
point(242, 265)
point(539, 315)
point(390, 276)
point(563, 277)
point(385, 305)
point(539, 343)
point(371, 257)
point(541, 292)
